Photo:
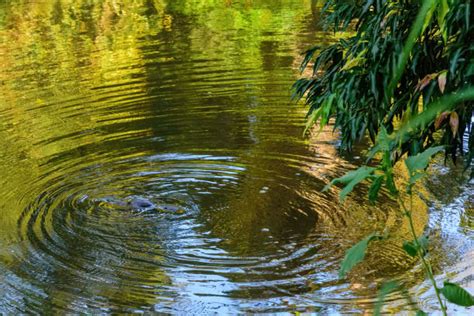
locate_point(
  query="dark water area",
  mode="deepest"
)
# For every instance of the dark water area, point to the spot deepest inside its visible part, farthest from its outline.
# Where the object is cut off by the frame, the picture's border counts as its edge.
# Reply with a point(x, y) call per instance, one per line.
point(152, 161)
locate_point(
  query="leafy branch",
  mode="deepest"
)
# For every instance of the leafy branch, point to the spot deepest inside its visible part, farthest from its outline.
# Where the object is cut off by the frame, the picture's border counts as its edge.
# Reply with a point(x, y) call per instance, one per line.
point(371, 83)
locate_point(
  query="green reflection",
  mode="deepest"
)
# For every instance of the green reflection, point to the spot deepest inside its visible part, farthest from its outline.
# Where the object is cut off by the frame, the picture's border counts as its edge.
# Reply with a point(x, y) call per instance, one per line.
point(180, 102)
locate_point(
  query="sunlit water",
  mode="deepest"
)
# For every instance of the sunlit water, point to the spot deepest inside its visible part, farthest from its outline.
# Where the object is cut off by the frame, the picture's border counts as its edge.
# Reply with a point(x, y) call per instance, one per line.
point(151, 160)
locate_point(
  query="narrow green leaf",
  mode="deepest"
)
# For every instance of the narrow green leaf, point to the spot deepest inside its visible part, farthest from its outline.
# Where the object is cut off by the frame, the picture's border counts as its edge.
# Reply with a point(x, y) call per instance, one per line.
point(326, 111)
point(356, 61)
point(391, 184)
point(375, 188)
point(442, 11)
point(424, 16)
point(313, 118)
point(355, 255)
point(322, 113)
point(308, 57)
point(457, 295)
point(385, 290)
point(420, 313)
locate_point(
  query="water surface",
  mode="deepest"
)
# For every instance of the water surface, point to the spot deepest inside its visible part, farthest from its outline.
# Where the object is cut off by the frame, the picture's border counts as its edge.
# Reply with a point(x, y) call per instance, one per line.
point(186, 105)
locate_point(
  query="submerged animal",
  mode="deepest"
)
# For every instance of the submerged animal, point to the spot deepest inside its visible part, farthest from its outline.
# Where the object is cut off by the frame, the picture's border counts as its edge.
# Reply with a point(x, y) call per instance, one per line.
point(140, 204)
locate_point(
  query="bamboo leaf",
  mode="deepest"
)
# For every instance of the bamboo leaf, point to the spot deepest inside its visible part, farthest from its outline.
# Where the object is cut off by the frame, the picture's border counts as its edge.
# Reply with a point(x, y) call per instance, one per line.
point(424, 16)
point(357, 61)
point(425, 81)
point(442, 11)
point(440, 119)
point(442, 80)
point(312, 119)
point(375, 188)
point(454, 123)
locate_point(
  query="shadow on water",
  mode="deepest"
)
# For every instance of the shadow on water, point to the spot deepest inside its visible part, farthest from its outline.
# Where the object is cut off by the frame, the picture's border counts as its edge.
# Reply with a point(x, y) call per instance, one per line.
point(152, 161)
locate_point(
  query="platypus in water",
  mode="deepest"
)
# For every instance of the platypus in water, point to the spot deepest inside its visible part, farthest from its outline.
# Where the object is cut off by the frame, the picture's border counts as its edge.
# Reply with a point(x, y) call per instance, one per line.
point(140, 204)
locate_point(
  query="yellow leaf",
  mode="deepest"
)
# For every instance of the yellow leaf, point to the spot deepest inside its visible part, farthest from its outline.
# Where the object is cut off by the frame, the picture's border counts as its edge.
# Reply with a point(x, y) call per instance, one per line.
point(454, 123)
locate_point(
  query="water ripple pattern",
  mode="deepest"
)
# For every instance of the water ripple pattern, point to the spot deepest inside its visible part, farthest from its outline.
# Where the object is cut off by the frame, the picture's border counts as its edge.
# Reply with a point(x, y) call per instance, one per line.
point(152, 161)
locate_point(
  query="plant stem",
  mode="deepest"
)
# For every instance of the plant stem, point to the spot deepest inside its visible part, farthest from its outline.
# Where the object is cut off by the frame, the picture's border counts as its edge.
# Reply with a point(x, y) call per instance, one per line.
point(420, 252)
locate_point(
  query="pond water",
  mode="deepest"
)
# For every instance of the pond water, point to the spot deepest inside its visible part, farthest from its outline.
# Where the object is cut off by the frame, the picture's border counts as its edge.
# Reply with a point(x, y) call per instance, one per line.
point(151, 160)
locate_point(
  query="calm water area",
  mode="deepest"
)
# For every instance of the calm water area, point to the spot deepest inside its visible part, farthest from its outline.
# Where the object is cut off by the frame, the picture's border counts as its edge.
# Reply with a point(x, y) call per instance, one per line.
point(151, 160)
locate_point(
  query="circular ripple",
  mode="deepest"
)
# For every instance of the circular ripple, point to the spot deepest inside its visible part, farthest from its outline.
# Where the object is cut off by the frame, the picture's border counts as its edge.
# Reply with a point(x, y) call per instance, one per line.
point(177, 225)
point(152, 165)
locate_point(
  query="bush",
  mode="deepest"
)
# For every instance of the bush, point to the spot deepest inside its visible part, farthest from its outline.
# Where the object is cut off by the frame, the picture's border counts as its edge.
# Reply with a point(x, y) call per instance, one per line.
point(373, 80)
point(406, 79)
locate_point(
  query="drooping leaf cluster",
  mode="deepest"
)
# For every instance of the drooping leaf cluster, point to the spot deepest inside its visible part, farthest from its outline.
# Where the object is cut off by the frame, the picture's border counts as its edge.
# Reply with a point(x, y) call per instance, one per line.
point(406, 74)
point(373, 79)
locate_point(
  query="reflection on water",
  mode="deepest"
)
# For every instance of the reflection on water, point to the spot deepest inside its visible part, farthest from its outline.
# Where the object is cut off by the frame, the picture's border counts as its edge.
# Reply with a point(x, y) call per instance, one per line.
point(184, 105)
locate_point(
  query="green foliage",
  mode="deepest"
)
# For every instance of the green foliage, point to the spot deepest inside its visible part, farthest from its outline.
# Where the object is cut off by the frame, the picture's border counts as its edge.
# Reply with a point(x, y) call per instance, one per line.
point(457, 295)
point(375, 188)
point(421, 23)
point(350, 180)
point(417, 164)
point(413, 248)
point(410, 248)
point(390, 287)
point(322, 114)
point(416, 75)
point(355, 255)
point(392, 68)
point(385, 290)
